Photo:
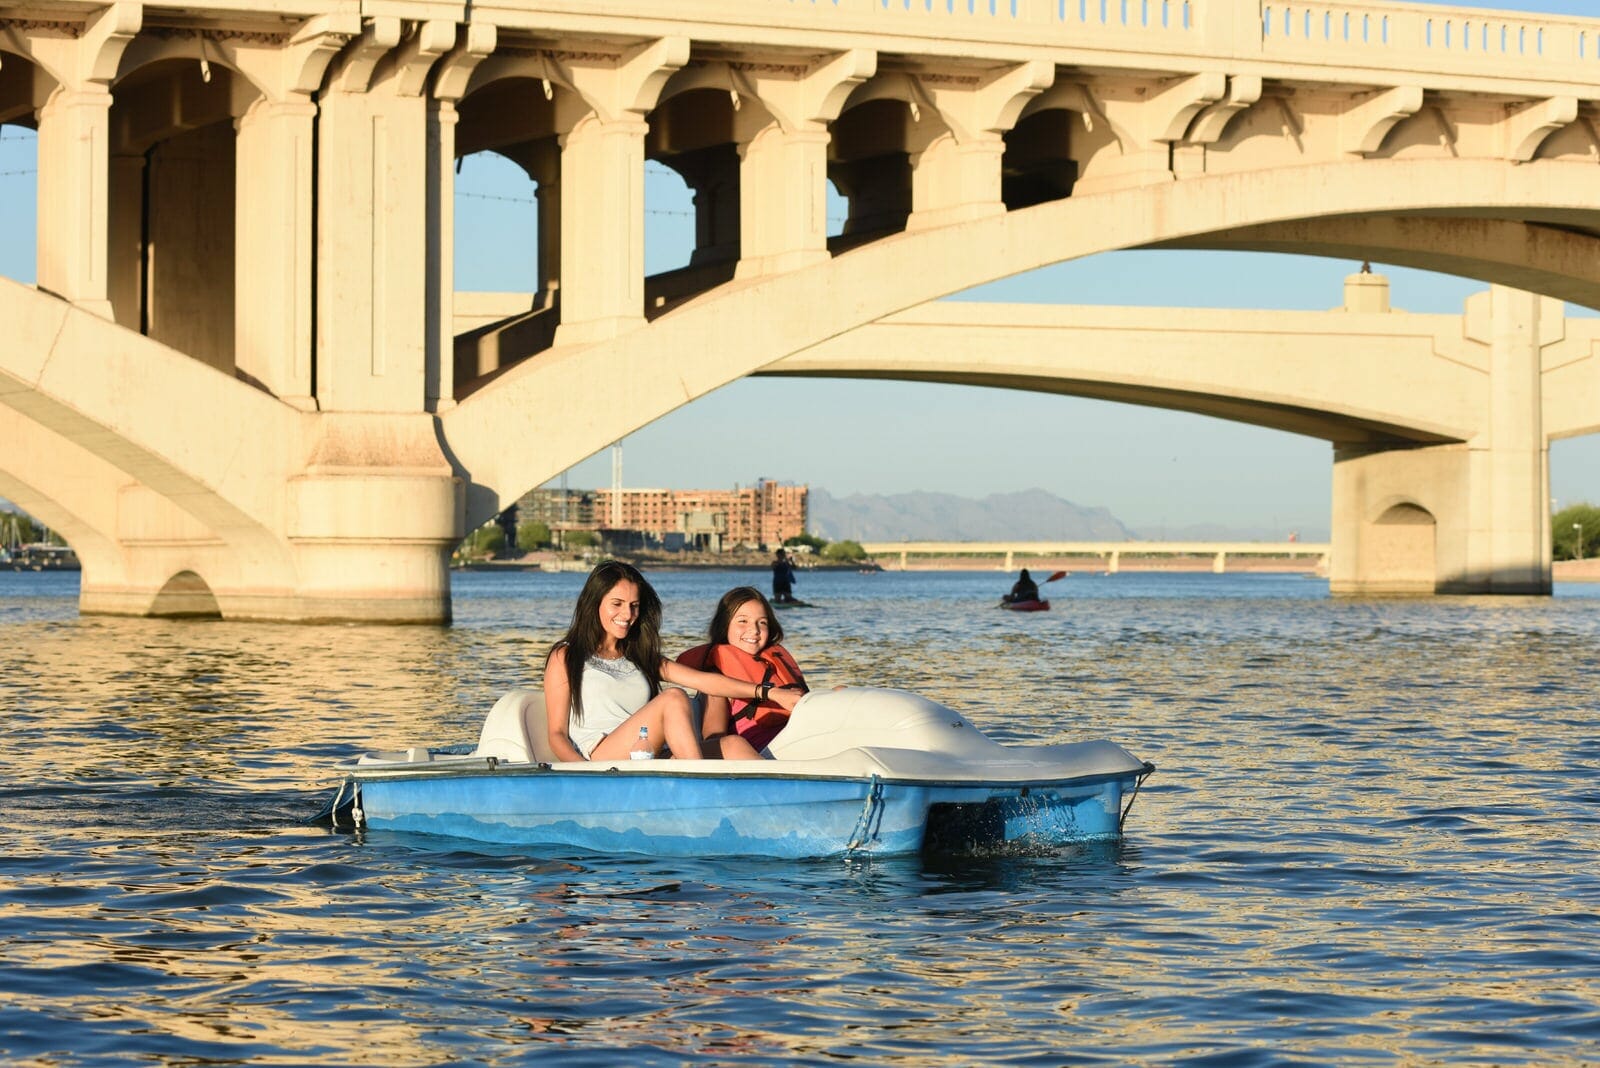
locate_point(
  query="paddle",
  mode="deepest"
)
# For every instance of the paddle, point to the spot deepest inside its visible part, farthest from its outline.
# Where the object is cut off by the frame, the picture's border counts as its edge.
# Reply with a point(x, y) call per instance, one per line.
point(1052, 578)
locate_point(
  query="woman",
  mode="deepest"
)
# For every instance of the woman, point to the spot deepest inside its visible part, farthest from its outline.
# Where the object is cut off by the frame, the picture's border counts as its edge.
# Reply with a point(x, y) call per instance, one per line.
point(603, 681)
point(745, 633)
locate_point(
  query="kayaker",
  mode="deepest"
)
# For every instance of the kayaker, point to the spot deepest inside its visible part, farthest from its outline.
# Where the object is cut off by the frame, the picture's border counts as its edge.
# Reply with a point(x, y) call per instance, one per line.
point(782, 577)
point(602, 682)
point(1024, 589)
point(745, 636)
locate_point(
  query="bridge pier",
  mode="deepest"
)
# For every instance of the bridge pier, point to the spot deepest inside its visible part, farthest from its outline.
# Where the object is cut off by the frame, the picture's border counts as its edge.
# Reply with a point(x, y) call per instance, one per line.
point(1459, 518)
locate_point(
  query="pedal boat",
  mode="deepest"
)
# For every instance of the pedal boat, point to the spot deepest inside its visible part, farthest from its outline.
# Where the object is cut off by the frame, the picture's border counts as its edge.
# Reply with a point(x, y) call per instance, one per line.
point(856, 771)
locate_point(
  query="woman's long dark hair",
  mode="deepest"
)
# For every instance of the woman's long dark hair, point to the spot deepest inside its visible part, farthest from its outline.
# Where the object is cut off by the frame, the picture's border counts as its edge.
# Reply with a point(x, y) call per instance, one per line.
point(731, 602)
point(585, 636)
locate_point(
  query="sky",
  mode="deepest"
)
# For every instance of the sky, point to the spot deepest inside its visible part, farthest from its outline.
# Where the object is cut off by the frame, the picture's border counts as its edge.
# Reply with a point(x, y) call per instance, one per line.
point(1155, 470)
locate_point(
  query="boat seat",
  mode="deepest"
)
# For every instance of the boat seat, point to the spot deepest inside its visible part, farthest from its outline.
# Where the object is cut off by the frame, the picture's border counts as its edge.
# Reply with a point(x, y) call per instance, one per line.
point(515, 729)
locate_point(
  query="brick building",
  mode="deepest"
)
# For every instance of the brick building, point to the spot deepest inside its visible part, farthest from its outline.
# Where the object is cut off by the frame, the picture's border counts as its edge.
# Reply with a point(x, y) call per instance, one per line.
point(765, 514)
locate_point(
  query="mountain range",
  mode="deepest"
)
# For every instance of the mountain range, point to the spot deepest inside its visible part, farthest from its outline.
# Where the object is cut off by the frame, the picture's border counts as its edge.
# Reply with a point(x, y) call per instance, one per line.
point(1031, 515)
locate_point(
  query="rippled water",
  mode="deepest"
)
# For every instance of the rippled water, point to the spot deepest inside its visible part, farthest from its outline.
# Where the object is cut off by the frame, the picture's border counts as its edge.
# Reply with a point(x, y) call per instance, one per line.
point(1373, 838)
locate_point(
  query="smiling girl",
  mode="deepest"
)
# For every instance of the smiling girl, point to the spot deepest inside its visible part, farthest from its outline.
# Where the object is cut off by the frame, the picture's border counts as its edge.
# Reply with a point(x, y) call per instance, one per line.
point(744, 644)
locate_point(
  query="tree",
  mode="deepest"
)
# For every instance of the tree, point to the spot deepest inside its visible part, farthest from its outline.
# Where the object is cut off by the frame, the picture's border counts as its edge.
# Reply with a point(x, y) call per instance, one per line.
point(817, 544)
point(845, 552)
point(533, 535)
point(580, 539)
point(1568, 523)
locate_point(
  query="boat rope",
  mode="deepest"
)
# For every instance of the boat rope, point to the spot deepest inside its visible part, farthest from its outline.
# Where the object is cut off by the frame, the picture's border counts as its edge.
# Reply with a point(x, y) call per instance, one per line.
point(356, 812)
point(866, 828)
point(1149, 768)
point(333, 811)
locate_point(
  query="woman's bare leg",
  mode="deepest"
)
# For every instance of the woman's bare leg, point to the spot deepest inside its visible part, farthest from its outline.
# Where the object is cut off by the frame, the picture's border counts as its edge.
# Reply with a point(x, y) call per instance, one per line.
point(669, 720)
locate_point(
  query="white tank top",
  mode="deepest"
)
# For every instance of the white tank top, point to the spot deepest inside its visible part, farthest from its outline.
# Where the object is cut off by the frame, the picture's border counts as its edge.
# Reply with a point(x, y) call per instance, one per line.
point(613, 690)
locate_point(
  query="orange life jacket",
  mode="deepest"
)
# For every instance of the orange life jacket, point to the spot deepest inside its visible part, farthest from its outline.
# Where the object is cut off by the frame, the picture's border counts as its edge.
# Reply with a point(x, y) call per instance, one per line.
point(757, 722)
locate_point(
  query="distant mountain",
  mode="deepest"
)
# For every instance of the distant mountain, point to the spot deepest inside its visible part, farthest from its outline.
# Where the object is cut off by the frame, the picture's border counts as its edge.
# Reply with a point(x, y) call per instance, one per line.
point(1032, 515)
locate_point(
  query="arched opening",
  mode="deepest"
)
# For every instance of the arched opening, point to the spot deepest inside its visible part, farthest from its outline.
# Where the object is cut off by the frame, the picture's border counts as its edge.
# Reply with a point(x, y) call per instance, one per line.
point(870, 165)
point(185, 596)
point(1397, 553)
point(172, 205)
point(507, 228)
point(1037, 165)
point(21, 86)
point(693, 138)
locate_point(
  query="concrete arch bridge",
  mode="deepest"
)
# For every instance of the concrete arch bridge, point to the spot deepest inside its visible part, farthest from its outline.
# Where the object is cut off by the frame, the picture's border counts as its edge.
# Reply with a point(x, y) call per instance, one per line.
point(242, 383)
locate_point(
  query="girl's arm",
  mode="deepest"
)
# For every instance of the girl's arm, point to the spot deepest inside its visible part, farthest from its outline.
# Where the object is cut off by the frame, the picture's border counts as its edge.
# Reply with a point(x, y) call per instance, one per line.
point(558, 706)
point(709, 682)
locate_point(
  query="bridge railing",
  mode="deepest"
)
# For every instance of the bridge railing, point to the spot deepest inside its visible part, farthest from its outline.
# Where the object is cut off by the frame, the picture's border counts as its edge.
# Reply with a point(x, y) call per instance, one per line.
point(1454, 36)
point(1371, 33)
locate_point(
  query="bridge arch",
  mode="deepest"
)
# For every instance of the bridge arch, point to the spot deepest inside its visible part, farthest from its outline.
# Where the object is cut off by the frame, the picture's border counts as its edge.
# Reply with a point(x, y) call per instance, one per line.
point(1397, 552)
point(739, 329)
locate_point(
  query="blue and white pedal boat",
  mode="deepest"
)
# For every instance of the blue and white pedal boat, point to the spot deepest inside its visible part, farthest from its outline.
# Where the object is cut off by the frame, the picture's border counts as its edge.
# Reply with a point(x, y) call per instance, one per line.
point(857, 771)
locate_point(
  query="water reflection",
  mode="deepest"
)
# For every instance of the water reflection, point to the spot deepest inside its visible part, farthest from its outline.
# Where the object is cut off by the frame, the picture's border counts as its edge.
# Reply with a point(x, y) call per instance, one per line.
point(1371, 838)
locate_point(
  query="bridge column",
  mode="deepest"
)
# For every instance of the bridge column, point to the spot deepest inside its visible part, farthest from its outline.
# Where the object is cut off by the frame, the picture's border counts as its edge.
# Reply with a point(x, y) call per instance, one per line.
point(1469, 518)
point(272, 287)
point(602, 207)
point(375, 303)
point(956, 177)
point(74, 162)
point(1219, 564)
point(783, 170)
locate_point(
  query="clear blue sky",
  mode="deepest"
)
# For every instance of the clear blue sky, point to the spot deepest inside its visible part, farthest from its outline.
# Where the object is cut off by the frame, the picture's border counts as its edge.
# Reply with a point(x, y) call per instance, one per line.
point(1154, 470)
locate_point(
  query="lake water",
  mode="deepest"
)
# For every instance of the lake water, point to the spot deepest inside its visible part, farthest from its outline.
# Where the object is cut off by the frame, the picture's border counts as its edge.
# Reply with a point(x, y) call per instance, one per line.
point(1373, 838)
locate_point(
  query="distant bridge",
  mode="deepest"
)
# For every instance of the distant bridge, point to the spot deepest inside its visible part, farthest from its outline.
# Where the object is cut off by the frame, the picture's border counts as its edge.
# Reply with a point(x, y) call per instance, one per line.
point(1110, 551)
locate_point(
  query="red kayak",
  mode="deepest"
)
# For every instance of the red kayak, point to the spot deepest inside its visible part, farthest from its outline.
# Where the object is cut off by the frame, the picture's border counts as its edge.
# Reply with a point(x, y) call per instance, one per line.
point(1026, 606)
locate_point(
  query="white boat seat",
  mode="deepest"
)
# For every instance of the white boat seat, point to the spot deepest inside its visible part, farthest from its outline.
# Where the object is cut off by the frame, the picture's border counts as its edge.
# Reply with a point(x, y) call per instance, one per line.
point(515, 729)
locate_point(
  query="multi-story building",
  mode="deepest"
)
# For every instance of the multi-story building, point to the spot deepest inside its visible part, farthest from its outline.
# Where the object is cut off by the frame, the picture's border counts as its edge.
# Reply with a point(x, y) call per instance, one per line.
point(765, 514)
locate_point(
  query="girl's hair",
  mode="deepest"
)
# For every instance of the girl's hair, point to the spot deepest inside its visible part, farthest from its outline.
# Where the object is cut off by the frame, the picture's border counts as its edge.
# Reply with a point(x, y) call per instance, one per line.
point(585, 636)
point(731, 602)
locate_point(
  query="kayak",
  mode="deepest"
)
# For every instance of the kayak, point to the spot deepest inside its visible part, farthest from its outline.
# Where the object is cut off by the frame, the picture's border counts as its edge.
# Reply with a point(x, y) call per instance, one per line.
point(1026, 606)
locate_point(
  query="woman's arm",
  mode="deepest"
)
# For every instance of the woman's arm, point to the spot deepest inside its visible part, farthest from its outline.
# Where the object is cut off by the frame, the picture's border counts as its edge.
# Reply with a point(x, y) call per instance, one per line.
point(558, 706)
point(709, 682)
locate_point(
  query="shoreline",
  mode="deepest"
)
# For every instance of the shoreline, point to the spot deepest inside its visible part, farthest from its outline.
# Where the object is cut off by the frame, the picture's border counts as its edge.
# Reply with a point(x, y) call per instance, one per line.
point(1561, 570)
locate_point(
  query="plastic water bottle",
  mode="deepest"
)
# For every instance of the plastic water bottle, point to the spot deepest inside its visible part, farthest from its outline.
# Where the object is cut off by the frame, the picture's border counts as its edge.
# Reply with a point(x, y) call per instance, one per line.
point(642, 749)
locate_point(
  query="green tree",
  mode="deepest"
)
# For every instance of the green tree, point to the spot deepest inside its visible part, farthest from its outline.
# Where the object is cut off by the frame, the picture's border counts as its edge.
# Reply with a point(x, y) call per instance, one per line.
point(580, 539)
point(533, 535)
point(844, 552)
point(817, 544)
point(1568, 523)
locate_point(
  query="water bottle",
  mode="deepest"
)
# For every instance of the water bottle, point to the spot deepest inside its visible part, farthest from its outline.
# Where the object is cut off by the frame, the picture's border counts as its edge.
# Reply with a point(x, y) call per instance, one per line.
point(642, 749)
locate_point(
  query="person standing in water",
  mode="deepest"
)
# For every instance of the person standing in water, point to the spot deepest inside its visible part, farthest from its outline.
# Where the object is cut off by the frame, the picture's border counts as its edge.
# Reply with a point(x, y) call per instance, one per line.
point(782, 578)
point(602, 682)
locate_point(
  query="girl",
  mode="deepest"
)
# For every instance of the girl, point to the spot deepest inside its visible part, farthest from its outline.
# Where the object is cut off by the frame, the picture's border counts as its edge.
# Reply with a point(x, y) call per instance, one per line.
point(603, 681)
point(744, 644)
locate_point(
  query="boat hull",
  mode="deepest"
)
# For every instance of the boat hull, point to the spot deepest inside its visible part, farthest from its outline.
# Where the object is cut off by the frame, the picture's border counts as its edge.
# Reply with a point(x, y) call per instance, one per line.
point(857, 770)
point(1025, 606)
point(666, 814)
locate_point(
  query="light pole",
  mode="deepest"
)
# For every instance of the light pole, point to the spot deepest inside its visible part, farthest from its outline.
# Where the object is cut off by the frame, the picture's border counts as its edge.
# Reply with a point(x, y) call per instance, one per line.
point(1579, 528)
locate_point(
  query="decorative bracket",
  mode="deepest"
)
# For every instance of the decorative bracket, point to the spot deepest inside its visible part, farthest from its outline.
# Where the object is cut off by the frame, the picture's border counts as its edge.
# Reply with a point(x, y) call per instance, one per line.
point(1243, 91)
point(1171, 110)
point(1527, 129)
point(1363, 128)
point(455, 70)
point(381, 35)
point(418, 54)
point(313, 47)
point(104, 38)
